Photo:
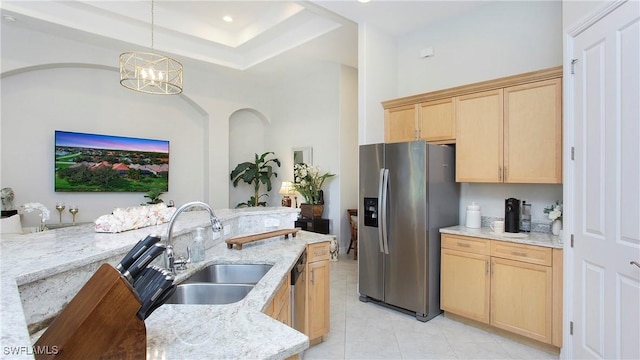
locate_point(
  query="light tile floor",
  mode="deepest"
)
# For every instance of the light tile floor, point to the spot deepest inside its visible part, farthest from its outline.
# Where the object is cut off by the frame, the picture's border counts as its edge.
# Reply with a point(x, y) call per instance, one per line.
point(368, 331)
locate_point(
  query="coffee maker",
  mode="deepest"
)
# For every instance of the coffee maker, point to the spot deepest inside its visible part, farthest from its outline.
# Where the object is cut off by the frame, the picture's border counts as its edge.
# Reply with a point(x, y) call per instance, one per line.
point(512, 215)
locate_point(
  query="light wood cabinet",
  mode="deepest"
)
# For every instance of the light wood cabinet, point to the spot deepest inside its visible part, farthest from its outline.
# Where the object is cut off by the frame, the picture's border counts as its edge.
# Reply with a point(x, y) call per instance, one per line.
point(506, 130)
point(511, 135)
point(436, 121)
point(432, 121)
point(533, 133)
point(318, 284)
point(521, 298)
point(400, 124)
point(465, 282)
point(479, 147)
point(511, 286)
point(280, 306)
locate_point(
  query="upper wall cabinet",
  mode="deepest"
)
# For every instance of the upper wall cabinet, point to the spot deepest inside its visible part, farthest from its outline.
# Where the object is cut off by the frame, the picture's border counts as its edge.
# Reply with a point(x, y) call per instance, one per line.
point(437, 122)
point(533, 133)
point(511, 135)
point(505, 130)
point(432, 121)
point(400, 124)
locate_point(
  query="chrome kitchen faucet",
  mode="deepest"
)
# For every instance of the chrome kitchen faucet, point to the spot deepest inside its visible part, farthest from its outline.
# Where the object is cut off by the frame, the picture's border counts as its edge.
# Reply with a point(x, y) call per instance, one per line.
point(181, 263)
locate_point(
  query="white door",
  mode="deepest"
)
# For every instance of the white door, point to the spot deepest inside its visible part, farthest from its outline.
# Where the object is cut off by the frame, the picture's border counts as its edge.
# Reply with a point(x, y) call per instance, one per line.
point(606, 284)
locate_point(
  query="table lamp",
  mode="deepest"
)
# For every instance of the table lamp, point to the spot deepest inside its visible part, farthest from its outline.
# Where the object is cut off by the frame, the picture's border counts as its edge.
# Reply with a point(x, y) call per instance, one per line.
point(286, 189)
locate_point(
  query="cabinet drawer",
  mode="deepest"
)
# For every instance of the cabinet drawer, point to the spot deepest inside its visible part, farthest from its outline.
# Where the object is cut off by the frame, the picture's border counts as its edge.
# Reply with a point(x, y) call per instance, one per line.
point(465, 243)
point(521, 252)
point(318, 251)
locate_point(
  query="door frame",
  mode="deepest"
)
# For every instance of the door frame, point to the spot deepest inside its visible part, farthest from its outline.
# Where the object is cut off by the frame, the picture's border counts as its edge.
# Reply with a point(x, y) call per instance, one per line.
point(568, 171)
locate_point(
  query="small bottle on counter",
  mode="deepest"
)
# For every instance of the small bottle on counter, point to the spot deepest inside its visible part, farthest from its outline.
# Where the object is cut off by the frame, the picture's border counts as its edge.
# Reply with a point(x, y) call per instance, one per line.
point(525, 223)
point(197, 253)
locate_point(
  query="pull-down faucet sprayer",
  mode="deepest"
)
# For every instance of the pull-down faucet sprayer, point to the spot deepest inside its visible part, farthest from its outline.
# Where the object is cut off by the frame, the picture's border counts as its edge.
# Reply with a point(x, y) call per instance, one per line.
point(180, 264)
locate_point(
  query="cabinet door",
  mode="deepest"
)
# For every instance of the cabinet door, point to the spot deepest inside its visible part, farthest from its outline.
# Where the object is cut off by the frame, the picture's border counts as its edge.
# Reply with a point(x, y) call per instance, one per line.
point(436, 122)
point(318, 292)
point(400, 124)
point(533, 133)
point(465, 285)
point(479, 147)
point(521, 298)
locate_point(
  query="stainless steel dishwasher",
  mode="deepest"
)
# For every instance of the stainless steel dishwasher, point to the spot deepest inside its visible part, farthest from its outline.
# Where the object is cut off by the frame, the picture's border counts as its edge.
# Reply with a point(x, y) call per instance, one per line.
point(299, 292)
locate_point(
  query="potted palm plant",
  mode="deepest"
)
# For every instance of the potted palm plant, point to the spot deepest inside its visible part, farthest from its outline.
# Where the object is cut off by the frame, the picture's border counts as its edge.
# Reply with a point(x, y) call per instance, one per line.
point(255, 173)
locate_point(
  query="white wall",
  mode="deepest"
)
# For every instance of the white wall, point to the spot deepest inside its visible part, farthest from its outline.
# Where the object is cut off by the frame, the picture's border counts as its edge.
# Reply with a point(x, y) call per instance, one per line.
point(495, 40)
point(348, 151)
point(51, 83)
point(305, 113)
point(377, 81)
point(574, 11)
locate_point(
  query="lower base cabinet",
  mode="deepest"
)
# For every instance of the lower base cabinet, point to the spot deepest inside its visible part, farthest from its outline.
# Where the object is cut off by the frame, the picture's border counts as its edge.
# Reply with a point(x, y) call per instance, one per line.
point(311, 298)
point(280, 306)
point(514, 287)
point(318, 281)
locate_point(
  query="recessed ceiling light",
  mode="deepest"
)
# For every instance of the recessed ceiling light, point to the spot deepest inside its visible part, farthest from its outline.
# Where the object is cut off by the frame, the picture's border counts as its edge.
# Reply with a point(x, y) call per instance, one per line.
point(227, 18)
point(363, 1)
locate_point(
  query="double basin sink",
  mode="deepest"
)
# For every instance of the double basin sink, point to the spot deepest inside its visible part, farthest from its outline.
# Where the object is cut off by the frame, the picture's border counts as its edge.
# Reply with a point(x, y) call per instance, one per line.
point(219, 284)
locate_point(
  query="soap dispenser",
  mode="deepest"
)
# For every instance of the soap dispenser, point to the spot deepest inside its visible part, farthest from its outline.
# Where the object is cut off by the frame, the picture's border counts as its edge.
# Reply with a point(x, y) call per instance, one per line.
point(197, 254)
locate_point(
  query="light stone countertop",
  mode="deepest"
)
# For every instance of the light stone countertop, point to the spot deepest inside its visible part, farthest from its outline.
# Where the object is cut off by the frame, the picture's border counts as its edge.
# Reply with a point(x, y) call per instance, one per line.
point(238, 330)
point(531, 238)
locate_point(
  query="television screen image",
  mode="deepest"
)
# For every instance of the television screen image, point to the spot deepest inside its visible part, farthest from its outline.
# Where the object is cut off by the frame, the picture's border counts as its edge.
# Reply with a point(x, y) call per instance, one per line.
point(93, 162)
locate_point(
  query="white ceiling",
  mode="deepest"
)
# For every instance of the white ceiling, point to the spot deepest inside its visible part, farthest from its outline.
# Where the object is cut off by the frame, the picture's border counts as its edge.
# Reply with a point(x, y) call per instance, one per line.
point(265, 36)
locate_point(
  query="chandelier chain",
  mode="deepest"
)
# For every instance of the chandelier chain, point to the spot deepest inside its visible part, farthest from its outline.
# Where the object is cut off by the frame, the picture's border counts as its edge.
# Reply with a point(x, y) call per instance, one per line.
point(152, 23)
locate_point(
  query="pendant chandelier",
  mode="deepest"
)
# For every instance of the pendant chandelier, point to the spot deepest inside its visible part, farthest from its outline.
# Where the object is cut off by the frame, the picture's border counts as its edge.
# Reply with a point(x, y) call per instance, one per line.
point(150, 73)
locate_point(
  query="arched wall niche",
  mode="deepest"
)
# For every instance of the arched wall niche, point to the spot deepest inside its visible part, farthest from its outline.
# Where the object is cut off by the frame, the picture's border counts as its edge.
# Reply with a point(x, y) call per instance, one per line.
point(247, 130)
point(82, 97)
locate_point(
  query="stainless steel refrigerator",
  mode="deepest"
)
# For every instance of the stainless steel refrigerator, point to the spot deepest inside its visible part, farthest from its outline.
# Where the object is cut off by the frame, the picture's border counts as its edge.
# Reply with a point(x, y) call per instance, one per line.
point(407, 193)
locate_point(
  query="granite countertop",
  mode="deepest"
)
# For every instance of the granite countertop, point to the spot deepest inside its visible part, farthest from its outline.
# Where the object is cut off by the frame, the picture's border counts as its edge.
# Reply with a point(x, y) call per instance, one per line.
point(530, 238)
point(238, 330)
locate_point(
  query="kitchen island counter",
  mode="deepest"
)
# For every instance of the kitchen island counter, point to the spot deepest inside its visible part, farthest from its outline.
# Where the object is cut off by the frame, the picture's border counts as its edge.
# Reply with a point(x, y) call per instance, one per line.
point(239, 330)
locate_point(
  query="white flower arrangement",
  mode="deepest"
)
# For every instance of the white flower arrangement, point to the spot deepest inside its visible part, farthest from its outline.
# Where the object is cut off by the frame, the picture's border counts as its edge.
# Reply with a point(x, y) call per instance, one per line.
point(29, 207)
point(554, 211)
point(308, 181)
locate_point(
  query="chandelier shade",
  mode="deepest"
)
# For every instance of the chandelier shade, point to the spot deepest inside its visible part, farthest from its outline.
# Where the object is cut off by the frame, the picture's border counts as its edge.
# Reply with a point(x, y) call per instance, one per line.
point(150, 73)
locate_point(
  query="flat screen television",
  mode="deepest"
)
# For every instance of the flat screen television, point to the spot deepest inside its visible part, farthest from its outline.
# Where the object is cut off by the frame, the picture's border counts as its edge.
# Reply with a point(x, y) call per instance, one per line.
point(93, 162)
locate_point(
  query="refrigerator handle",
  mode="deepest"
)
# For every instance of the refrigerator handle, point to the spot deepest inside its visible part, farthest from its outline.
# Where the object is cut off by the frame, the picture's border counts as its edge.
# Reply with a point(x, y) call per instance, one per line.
point(383, 217)
point(381, 193)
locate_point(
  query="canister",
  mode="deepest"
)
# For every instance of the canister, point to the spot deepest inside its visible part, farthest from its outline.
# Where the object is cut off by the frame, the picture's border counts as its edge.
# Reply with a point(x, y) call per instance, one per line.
point(473, 216)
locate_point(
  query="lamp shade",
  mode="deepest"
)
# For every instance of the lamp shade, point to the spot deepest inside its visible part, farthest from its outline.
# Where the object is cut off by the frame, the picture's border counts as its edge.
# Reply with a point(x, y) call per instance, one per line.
point(287, 188)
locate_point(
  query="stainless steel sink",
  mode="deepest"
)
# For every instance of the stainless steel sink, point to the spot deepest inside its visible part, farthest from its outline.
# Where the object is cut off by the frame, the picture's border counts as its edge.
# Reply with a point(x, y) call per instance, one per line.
point(209, 294)
point(229, 274)
point(219, 284)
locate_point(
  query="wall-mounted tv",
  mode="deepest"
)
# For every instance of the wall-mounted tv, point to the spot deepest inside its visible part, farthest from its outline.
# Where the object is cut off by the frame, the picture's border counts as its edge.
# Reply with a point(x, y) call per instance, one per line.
point(93, 162)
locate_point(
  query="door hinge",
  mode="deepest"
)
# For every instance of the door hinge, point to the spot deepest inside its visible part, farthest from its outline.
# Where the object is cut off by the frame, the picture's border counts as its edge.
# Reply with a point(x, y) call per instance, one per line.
point(573, 66)
point(571, 240)
point(573, 153)
point(570, 327)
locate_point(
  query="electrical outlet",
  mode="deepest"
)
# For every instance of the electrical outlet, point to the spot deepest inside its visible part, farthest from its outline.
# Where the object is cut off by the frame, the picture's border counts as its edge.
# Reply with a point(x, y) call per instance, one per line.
point(227, 230)
point(216, 235)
